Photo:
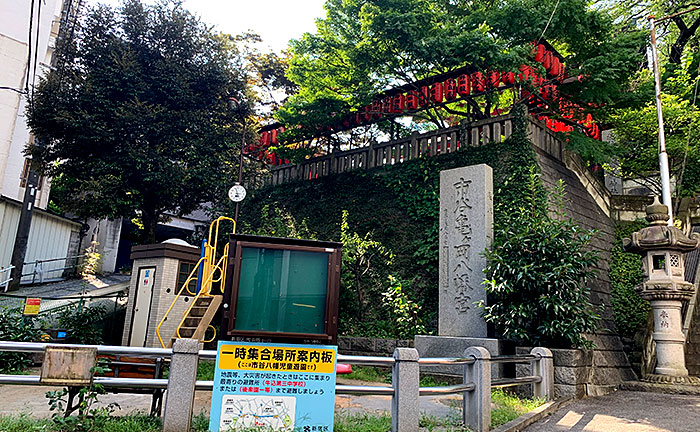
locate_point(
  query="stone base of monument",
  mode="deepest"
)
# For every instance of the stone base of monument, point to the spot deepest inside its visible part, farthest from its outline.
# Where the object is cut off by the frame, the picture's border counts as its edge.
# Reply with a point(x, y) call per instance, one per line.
point(454, 346)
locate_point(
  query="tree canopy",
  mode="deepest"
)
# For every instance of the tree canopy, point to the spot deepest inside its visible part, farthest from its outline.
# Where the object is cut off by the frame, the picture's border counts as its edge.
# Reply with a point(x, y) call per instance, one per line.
point(363, 47)
point(134, 121)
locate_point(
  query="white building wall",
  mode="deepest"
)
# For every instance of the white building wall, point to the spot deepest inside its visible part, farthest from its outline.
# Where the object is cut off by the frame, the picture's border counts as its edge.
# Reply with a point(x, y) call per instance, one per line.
point(14, 50)
point(106, 233)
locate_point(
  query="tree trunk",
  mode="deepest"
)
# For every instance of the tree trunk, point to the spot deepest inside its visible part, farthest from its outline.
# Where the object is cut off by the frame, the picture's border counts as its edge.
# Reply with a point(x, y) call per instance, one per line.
point(149, 219)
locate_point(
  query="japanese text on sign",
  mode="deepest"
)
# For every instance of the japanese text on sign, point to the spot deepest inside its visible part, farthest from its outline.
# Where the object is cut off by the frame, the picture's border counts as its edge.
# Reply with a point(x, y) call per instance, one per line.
point(264, 358)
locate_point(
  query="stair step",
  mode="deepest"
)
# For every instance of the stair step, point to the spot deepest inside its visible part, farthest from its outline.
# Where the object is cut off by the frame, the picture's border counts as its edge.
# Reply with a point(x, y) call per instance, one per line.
point(186, 332)
point(192, 321)
point(204, 301)
point(198, 311)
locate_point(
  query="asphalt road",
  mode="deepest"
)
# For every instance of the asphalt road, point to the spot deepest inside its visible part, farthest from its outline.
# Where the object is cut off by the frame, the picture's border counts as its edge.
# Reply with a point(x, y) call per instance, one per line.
point(625, 411)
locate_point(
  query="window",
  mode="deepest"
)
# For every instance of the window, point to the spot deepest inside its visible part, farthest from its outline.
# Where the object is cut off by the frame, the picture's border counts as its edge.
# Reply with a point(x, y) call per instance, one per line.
point(182, 274)
point(25, 175)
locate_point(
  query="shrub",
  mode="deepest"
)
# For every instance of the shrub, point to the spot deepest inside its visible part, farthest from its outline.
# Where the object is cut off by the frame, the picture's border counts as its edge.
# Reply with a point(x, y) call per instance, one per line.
point(82, 324)
point(537, 272)
point(15, 327)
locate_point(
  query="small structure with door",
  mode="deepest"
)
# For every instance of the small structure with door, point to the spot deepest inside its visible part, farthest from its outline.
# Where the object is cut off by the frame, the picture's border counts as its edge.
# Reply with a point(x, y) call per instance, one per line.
point(253, 288)
point(158, 272)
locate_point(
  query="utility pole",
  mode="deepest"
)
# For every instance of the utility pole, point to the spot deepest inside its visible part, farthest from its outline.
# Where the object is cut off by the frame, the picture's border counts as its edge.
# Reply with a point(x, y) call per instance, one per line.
point(19, 251)
point(663, 156)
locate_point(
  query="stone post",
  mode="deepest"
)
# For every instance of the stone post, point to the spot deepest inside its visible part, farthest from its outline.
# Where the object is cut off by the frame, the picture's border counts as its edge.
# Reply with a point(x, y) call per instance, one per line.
point(405, 378)
point(662, 248)
point(543, 367)
point(179, 400)
point(477, 403)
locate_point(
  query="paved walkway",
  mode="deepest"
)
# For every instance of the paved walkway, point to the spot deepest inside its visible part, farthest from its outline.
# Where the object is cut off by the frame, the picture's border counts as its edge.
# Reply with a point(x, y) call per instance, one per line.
point(94, 287)
point(626, 411)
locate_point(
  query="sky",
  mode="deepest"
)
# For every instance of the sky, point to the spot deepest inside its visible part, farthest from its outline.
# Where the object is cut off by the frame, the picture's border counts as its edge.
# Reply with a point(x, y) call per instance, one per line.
point(276, 21)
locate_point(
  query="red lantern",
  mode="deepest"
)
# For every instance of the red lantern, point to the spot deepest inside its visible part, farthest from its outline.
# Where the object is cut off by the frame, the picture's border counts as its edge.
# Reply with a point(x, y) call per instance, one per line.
point(525, 72)
point(539, 52)
point(398, 103)
point(463, 85)
point(377, 109)
point(368, 112)
point(508, 78)
point(478, 82)
point(547, 60)
point(450, 89)
point(386, 104)
point(265, 139)
point(436, 92)
point(494, 79)
point(556, 66)
point(273, 137)
point(412, 100)
point(424, 96)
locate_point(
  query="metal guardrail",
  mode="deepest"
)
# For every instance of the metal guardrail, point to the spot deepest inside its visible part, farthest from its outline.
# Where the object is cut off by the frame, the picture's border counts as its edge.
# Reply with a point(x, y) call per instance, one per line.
point(5, 277)
point(39, 271)
point(405, 364)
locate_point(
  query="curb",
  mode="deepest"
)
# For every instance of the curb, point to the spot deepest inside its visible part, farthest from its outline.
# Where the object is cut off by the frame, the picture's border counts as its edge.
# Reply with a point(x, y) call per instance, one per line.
point(680, 389)
point(534, 416)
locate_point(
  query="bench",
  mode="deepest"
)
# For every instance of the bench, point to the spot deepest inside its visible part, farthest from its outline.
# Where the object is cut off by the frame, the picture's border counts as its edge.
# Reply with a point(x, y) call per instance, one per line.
point(127, 367)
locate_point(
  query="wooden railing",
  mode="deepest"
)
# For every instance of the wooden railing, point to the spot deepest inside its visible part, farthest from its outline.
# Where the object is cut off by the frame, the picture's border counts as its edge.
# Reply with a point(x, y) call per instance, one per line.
point(431, 143)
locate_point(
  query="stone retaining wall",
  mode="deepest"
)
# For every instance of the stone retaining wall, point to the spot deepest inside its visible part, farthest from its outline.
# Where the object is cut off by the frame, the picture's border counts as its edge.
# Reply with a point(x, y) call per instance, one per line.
point(371, 346)
point(573, 373)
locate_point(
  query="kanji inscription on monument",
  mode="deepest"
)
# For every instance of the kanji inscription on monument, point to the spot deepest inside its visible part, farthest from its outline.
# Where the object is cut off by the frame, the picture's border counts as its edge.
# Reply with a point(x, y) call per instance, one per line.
point(466, 229)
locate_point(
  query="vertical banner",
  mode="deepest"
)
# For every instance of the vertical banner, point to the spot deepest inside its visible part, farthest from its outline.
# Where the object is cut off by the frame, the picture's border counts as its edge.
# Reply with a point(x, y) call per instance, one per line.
point(275, 387)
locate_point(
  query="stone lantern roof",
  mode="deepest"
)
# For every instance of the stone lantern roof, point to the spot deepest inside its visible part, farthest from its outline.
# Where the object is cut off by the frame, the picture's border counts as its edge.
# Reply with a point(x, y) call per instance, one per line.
point(659, 235)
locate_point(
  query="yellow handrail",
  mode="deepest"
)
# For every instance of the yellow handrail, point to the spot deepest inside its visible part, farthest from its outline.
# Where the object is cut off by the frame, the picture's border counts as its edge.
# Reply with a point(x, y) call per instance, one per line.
point(208, 272)
point(200, 293)
point(184, 286)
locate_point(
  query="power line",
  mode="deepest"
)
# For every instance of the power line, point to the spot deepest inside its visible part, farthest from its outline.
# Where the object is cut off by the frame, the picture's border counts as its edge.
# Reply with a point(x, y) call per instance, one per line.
point(548, 22)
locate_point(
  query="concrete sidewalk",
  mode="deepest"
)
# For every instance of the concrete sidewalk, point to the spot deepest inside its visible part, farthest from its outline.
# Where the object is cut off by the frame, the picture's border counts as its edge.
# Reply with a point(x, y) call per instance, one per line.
point(626, 411)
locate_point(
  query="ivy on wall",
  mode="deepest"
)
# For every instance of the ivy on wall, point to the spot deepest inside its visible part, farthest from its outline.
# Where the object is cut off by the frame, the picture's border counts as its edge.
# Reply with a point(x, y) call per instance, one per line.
point(399, 206)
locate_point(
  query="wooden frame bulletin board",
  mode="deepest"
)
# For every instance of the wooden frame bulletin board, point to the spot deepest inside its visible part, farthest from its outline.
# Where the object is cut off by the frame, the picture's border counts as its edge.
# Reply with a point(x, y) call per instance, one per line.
point(333, 250)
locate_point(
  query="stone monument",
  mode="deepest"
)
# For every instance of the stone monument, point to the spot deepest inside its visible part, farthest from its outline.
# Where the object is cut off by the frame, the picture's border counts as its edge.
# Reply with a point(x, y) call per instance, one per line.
point(662, 248)
point(466, 230)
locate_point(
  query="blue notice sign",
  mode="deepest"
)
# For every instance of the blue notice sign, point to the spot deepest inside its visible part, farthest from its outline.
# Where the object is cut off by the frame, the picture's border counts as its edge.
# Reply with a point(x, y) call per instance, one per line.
point(275, 387)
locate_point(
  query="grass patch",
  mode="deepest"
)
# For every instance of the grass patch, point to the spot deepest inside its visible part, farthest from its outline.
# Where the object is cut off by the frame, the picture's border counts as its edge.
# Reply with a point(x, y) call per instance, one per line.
point(369, 374)
point(383, 375)
point(509, 407)
point(205, 370)
point(128, 423)
point(362, 422)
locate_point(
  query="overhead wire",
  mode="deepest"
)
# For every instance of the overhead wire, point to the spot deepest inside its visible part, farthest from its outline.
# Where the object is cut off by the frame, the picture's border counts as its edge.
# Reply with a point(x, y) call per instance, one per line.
point(556, 6)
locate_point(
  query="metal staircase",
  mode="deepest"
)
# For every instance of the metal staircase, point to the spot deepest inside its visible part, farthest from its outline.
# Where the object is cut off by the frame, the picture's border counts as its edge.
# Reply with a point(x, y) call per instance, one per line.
point(196, 320)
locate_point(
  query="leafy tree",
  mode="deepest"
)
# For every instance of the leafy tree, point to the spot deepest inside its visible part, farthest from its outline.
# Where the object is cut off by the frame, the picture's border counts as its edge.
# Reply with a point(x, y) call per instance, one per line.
point(134, 121)
point(365, 46)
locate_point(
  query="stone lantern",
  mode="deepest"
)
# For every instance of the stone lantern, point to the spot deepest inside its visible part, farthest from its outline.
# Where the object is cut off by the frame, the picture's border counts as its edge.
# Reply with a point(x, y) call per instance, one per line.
point(662, 248)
